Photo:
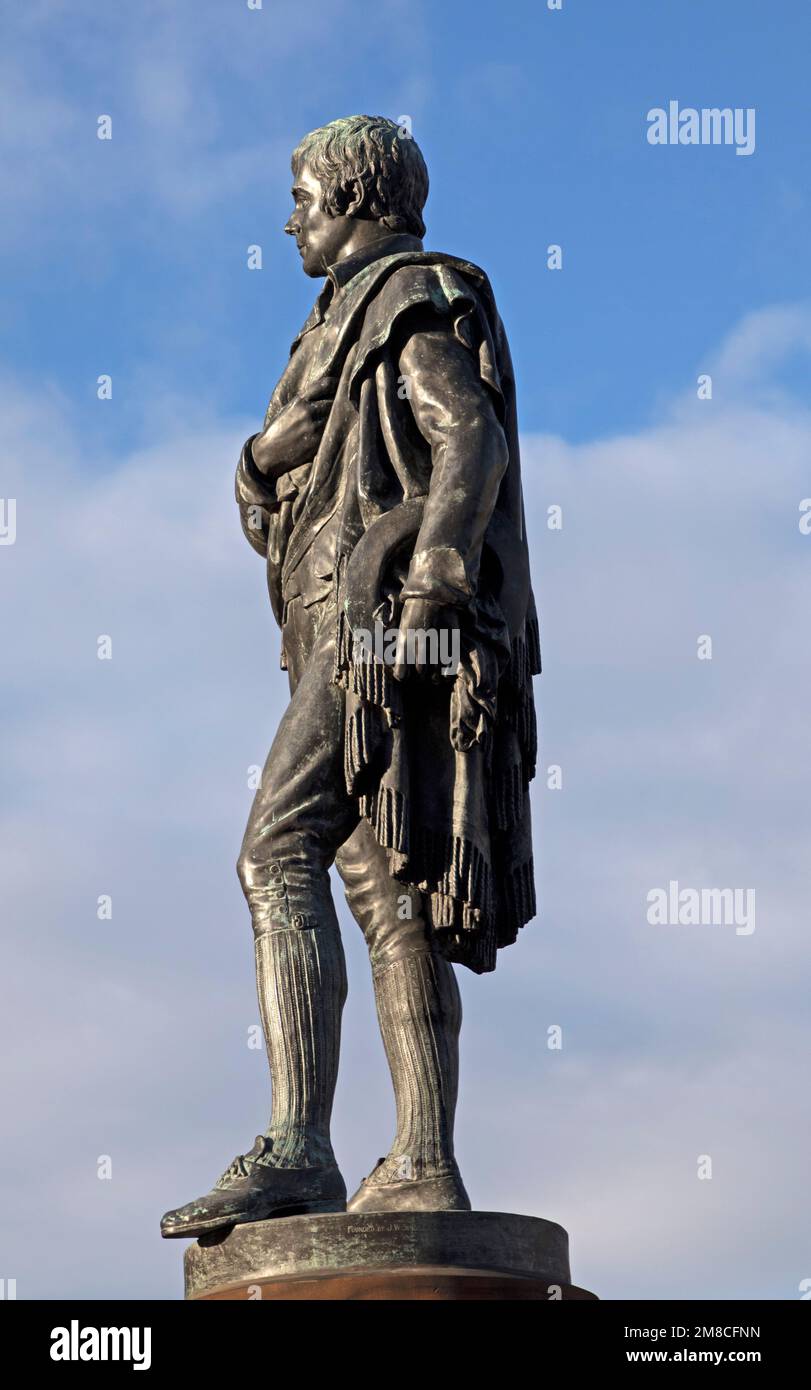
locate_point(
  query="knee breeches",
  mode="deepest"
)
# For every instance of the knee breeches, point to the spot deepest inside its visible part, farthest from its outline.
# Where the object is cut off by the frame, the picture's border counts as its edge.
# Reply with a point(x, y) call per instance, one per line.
point(303, 819)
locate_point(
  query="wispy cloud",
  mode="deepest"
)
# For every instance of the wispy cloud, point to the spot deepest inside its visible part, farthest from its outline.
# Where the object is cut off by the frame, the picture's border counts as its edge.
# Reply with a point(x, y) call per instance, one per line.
point(173, 79)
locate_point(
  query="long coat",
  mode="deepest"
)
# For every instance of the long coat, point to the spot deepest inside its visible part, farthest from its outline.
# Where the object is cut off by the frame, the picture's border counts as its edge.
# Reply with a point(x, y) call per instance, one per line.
point(440, 769)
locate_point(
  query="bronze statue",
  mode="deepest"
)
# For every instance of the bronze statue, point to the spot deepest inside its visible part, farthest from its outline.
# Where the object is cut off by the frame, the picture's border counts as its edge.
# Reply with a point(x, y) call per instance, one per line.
point(384, 493)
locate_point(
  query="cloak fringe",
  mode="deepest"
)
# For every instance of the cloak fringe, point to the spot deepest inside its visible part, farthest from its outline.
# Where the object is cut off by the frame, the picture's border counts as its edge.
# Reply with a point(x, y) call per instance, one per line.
point(507, 802)
point(516, 703)
point(474, 907)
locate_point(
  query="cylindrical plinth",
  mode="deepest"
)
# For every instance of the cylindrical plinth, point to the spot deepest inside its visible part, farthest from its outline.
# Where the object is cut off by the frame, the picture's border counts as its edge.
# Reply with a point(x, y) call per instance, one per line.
point(404, 1255)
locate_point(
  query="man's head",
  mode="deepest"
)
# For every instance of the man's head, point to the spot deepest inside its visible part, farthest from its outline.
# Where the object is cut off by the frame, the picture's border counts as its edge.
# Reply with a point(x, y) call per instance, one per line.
point(354, 181)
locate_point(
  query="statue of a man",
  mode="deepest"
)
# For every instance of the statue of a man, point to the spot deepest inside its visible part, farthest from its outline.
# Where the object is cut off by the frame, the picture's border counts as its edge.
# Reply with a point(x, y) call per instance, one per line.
point(384, 493)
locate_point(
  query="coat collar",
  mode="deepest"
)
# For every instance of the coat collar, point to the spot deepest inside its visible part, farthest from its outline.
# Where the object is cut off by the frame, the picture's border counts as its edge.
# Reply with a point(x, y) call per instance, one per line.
point(340, 274)
point(345, 270)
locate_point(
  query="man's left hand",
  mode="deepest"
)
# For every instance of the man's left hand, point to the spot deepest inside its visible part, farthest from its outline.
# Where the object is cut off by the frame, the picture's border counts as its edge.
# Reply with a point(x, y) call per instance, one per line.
point(421, 654)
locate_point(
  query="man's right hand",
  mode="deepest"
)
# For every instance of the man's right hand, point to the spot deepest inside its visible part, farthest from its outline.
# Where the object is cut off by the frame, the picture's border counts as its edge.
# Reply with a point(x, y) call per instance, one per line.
point(294, 436)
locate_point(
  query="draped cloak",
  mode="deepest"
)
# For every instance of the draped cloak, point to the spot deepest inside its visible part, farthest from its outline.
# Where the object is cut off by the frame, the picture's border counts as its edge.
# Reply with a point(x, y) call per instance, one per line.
point(441, 769)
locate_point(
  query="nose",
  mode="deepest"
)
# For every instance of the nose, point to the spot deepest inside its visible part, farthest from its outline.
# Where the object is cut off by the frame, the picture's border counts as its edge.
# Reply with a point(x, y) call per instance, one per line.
point(292, 226)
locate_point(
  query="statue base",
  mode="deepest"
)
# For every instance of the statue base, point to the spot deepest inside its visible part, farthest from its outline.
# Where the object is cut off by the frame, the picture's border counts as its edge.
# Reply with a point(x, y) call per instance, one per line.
point(454, 1255)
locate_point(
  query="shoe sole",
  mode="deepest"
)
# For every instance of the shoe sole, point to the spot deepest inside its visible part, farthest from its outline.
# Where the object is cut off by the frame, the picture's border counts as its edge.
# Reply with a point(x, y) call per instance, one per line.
point(204, 1228)
point(393, 1206)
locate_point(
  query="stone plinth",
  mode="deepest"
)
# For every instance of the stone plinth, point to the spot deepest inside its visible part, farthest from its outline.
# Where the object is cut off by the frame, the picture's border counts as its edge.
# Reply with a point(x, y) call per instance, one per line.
point(407, 1255)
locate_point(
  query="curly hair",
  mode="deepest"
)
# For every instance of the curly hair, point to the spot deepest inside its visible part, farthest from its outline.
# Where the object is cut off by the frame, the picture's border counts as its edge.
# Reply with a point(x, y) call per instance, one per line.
point(370, 149)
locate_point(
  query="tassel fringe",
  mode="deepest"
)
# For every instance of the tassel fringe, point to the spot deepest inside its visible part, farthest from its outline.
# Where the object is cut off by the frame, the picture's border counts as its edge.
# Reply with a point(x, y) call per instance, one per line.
point(474, 909)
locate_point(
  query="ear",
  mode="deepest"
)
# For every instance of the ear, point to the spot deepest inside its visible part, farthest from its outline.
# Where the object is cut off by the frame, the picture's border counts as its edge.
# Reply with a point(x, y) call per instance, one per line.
point(356, 199)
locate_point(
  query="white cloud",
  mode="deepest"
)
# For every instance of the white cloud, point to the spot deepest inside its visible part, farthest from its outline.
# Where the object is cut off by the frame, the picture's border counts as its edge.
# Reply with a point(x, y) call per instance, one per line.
point(129, 778)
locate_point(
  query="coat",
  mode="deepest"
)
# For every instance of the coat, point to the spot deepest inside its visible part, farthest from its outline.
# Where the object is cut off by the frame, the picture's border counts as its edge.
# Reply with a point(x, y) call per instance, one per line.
point(441, 770)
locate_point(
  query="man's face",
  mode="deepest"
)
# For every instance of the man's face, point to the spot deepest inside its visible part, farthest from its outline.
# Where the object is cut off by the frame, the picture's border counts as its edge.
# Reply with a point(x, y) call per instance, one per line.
point(320, 238)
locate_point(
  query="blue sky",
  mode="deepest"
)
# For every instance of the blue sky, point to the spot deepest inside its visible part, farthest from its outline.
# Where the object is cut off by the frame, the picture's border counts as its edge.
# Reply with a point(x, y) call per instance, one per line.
point(128, 257)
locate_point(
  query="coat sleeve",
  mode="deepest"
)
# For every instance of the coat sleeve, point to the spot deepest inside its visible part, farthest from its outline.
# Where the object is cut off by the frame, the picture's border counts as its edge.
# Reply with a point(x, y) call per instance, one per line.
point(256, 499)
point(453, 411)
